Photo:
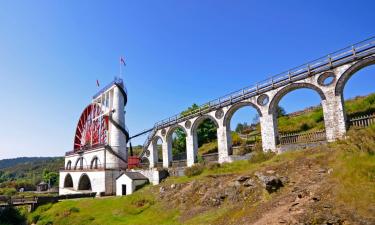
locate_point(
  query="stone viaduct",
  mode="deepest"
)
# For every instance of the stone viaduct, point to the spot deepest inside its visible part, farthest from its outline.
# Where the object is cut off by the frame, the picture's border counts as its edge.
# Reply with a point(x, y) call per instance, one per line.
point(327, 76)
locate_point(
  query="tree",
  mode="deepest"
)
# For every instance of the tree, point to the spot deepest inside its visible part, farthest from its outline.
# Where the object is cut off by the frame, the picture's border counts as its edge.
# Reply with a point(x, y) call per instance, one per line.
point(179, 142)
point(239, 128)
point(50, 177)
point(206, 131)
point(280, 111)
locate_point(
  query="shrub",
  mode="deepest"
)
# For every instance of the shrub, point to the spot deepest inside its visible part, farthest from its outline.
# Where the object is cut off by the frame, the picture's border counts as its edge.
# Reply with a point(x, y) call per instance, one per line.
point(362, 140)
point(236, 140)
point(8, 191)
point(261, 156)
point(11, 215)
point(212, 165)
point(194, 170)
point(74, 209)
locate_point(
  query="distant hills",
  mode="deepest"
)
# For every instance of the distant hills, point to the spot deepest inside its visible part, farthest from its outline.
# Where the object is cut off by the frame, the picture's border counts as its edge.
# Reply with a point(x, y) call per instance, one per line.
point(4, 163)
point(28, 169)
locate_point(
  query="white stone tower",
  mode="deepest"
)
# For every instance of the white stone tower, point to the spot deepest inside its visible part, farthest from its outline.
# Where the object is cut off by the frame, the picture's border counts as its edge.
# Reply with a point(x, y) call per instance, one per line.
point(99, 153)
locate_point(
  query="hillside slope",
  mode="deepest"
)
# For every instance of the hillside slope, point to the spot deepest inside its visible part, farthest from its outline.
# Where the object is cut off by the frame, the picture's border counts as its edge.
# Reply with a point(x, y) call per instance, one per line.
point(332, 184)
point(27, 169)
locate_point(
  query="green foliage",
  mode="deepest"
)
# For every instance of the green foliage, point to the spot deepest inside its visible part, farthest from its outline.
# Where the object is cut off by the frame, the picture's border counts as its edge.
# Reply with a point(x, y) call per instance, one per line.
point(179, 142)
point(194, 170)
point(8, 191)
point(240, 127)
point(22, 173)
point(280, 111)
point(206, 132)
point(236, 140)
point(10, 216)
point(208, 148)
point(260, 156)
point(51, 177)
point(313, 121)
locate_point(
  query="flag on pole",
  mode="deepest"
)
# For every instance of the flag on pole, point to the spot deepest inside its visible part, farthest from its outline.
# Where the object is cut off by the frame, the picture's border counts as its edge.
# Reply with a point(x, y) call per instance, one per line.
point(122, 61)
point(97, 83)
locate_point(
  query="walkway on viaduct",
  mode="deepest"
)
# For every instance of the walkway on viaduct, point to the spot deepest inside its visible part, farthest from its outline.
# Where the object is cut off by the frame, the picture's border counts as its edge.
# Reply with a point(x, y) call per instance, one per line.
point(327, 76)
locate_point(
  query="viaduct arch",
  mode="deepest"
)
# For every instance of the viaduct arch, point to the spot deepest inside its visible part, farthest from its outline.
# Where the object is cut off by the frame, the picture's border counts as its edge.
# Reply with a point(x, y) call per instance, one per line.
point(327, 76)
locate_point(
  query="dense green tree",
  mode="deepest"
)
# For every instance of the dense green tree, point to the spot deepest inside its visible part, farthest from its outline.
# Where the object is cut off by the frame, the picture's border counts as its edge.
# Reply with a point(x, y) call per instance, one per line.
point(280, 111)
point(206, 133)
point(179, 142)
point(50, 177)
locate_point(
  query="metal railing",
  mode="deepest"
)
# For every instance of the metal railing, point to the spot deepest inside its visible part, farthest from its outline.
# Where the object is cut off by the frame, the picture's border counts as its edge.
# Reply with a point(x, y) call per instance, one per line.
point(340, 57)
point(307, 137)
point(85, 148)
point(92, 167)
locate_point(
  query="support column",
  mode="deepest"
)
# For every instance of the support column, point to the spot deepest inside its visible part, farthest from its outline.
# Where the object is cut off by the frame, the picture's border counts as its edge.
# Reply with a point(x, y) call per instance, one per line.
point(167, 153)
point(223, 142)
point(334, 116)
point(191, 149)
point(268, 124)
point(153, 154)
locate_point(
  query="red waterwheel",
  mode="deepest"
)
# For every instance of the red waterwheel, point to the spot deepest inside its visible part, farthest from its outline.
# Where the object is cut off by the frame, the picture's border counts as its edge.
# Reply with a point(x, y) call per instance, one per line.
point(92, 128)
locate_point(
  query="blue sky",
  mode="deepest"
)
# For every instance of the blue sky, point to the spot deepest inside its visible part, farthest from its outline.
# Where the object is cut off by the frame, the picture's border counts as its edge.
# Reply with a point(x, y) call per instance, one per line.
point(178, 53)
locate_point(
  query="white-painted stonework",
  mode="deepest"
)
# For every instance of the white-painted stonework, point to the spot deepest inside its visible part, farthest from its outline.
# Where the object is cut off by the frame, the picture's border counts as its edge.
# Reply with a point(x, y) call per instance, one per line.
point(265, 100)
point(95, 168)
point(128, 182)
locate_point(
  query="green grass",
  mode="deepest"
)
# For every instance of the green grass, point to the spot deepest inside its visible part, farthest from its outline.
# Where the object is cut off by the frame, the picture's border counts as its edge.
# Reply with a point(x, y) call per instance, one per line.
point(353, 185)
point(354, 171)
point(139, 208)
point(313, 121)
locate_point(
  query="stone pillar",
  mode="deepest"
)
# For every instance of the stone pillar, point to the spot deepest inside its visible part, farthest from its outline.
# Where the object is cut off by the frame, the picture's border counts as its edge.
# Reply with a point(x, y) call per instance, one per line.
point(153, 154)
point(223, 142)
point(167, 153)
point(191, 149)
point(334, 116)
point(268, 124)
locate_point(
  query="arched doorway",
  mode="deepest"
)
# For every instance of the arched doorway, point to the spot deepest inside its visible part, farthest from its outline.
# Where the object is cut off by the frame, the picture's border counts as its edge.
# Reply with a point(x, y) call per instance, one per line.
point(84, 183)
point(68, 181)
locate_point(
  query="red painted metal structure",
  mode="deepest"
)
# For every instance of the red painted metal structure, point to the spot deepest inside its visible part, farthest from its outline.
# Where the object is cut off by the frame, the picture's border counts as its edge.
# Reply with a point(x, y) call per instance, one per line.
point(133, 162)
point(92, 129)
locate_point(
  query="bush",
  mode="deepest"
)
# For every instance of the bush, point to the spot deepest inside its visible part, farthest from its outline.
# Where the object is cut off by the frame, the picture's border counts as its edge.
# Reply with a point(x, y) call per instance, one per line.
point(11, 215)
point(261, 156)
point(362, 140)
point(212, 165)
point(194, 170)
point(74, 209)
point(236, 140)
point(8, 191)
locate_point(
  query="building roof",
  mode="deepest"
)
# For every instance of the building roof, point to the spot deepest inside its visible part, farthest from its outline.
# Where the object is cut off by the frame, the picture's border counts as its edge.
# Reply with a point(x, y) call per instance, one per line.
point(133, 176)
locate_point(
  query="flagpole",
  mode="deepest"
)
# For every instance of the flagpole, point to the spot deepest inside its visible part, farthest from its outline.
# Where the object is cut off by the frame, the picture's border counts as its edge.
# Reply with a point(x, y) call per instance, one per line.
point(120, 68)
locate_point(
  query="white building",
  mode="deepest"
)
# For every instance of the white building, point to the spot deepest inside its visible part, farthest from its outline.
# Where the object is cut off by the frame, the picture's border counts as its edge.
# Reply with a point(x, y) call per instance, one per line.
point(99, 153)
point(128, 182)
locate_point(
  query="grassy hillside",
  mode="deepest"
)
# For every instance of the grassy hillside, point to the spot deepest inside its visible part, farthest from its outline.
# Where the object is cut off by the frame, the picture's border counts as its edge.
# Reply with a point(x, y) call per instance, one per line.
point(332, 184)
point(305, 122)
point(15, 173)
point(312, 121)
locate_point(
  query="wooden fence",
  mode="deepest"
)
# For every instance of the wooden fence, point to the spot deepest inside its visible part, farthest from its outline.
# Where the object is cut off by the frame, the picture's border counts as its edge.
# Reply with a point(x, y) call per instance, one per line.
point(362, 121)
point(307, 137)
